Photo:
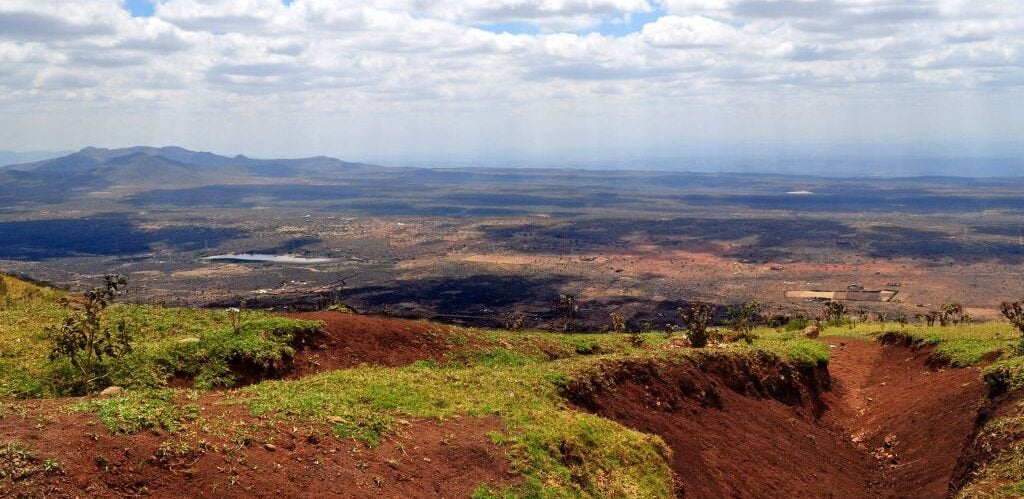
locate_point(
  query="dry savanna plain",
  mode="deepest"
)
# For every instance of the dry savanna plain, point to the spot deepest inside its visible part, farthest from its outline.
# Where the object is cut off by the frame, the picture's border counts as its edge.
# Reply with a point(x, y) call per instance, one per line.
point(316, 328)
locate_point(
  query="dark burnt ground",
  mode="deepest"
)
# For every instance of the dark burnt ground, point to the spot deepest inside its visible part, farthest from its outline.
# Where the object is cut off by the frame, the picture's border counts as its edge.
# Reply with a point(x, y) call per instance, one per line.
point(889, 426)
point(349, 340)
point(424, 459)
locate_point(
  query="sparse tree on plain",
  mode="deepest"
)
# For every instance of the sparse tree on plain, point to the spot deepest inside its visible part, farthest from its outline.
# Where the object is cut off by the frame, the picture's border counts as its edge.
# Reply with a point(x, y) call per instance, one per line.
point(617, 323)
point(566, 310)
point(743, 318)
point(952, 314)
point(833, 312)
point(696, 316)
point(1014, 312)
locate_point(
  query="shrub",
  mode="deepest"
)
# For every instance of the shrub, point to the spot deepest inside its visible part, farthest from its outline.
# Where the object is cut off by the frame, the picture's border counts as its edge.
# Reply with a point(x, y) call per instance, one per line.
point(1014, 312)
point(696, 317)
point(566, 310)
point(514, 322)
point(742, 319)
point(833, 313)
point(617, 323)
point(951, 314)
point(670, 329)
point(929, 318)
point(83, 342)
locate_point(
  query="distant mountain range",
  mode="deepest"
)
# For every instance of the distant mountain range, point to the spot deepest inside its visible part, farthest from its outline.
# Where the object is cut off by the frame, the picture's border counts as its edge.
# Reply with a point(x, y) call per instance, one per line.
point(93, 169)
point(170, 173)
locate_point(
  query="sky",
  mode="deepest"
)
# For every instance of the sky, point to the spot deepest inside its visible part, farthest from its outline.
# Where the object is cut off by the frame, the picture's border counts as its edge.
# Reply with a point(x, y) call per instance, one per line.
point(507, 81)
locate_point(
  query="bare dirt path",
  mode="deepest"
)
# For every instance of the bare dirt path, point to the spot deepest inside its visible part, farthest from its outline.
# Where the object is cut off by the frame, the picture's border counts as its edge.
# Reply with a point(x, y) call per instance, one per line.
point(913, 420)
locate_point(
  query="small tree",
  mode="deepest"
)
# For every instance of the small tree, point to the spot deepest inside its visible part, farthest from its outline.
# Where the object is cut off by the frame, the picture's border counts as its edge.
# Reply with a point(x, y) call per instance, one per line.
point(952, 313)
point(696, 317)
point(743, 318)
point(83, 341)
point(514, 321)
point(1014, 312)
point(617, 323)
point(833, 312)
point(566, 310)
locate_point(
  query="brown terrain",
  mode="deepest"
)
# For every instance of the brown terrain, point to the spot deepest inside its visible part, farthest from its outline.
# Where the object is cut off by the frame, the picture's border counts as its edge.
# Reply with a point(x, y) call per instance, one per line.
point(879, 421)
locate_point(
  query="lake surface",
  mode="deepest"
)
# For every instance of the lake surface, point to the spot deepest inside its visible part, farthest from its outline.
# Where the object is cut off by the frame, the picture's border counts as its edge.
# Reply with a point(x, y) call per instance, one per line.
point(263, 257)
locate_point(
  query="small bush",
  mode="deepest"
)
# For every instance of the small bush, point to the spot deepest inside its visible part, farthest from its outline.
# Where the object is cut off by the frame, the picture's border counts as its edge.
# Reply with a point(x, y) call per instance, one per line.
point(833, 313)
point(743, 318)
point(696, 316)
point(617, 323)
point(86, 344)
point(952, 314)
point(514, 322)
point(566, 311)
point(1014, 312)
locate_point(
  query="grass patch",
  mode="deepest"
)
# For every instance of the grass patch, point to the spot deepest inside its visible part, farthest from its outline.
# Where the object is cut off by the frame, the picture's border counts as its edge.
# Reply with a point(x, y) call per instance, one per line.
point(1003, 477)
point(560, 452)
point(213, 347)
point(142, 410)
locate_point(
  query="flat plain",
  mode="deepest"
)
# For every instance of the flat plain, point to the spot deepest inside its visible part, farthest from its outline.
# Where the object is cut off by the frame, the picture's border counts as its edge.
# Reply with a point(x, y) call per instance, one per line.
point(475, 245)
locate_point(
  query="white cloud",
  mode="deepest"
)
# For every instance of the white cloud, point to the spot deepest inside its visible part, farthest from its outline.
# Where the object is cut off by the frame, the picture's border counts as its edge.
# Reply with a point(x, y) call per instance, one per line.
point(414, 60)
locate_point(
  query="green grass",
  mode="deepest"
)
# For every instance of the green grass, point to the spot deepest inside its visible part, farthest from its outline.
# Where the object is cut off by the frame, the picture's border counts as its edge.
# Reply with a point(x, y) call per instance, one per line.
point(961, 345)
point(204, 345)
point(1003, 477)
point(517, 378)
point(559, 451)
point(141, 410)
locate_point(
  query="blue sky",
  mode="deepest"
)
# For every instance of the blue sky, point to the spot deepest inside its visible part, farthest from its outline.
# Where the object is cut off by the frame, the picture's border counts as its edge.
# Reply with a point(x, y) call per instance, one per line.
point(512, 80)
point(140, 8)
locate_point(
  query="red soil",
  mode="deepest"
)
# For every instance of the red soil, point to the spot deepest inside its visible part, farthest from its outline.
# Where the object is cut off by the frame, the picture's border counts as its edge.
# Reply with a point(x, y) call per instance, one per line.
point(350, 340)
point(741, 430)
point(929, 413)
point(426, 459)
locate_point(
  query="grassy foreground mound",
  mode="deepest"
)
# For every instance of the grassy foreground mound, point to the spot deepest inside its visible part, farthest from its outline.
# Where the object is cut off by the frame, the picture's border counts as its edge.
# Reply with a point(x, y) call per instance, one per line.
point(554, 449)
point(211, 348)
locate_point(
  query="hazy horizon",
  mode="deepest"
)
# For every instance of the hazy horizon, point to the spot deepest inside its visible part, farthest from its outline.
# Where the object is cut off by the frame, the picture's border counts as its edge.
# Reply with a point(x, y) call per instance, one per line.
point(847, 160)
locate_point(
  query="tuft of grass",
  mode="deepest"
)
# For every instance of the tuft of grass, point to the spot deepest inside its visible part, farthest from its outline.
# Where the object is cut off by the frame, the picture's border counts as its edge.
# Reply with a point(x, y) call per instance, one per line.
point(138, 411)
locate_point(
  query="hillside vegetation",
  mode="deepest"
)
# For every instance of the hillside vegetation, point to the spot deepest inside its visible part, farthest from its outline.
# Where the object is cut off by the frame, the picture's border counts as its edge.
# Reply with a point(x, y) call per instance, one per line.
point(223, 383)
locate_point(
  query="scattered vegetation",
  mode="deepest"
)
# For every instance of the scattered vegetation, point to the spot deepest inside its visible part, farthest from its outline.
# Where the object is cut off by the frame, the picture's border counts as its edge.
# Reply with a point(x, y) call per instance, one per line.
point(206, 347)
point(84, 343)
point(742, 319)
point(566, 309)
point(696, 317)
point(520, 378)
point(1014, 312)
point(833, 313)
point(140, 410)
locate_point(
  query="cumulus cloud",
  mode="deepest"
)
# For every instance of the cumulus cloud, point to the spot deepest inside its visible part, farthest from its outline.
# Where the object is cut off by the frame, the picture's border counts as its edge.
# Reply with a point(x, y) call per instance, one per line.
point(463, 56)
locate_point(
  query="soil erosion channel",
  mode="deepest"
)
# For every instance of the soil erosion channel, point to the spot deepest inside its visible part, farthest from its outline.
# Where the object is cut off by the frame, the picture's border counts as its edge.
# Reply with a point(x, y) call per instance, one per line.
point(879, 422)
